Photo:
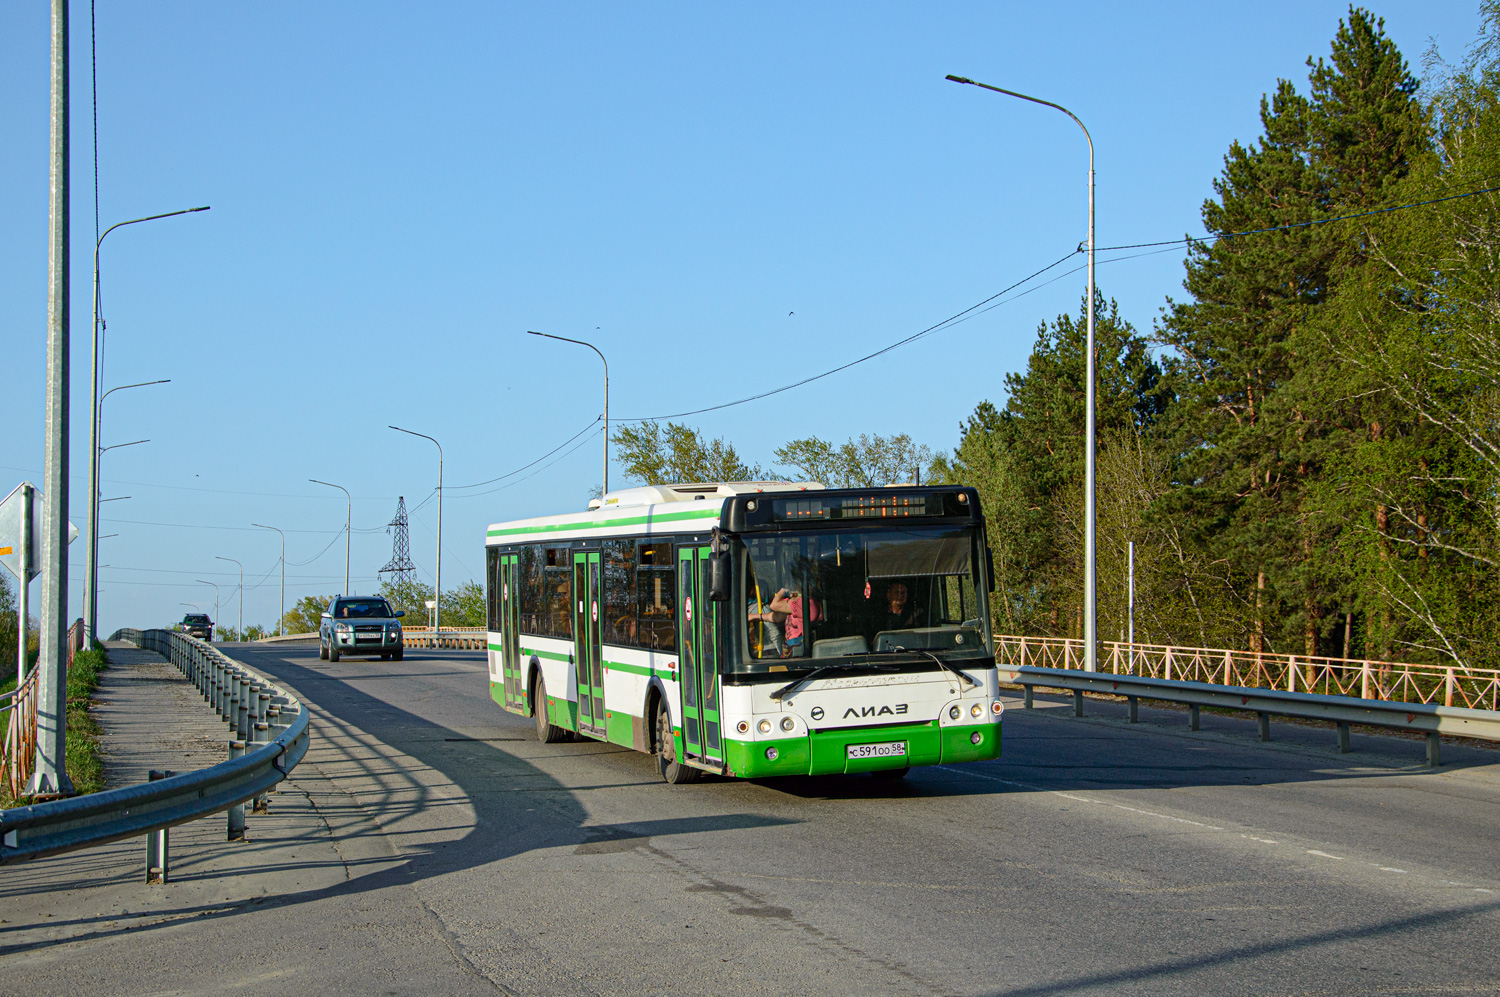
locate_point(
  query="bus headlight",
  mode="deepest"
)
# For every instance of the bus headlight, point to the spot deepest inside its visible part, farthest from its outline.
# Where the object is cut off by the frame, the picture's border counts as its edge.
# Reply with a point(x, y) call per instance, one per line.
point(976, 737)
point(997, 708)
point(743, 726)
point(764, 726)
point(975, 710)
point(771, 754)
point(954, 713)
point(787, 723)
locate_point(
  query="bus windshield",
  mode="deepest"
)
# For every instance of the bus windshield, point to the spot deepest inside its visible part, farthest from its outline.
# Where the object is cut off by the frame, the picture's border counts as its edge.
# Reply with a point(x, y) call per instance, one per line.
point(828, 594)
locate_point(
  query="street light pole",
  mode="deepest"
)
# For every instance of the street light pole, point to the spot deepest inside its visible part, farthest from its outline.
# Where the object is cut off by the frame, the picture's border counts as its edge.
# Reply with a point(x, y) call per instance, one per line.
point(241, 627)
point(281, 610)
point(348, 522)
point(437, 584)
point(1090, 569)
point(90, 594)
point(201, 581)
point(91, 554)
point(565, 339)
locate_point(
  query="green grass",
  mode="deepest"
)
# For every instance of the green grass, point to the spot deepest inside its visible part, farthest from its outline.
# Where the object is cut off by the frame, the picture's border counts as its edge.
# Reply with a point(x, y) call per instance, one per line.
point(85, 767)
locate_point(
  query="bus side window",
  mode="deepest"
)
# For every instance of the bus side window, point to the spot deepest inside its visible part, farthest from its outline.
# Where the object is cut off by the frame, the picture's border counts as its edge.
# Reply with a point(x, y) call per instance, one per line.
point(656, 596)
point(557, 597)
point(531, 590)
point(619, 592)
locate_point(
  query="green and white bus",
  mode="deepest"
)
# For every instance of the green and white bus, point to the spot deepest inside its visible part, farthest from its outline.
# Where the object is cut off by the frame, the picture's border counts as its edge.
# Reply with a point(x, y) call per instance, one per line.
point(752, 628)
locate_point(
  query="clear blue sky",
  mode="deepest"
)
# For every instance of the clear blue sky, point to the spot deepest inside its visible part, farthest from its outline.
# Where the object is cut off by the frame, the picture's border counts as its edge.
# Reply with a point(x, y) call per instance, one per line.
point(399, 191)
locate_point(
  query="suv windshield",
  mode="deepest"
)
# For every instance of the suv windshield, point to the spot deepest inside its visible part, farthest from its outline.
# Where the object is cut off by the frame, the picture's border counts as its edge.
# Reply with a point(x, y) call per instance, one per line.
point(195, 618)
point(838, 594)
point(361, 609)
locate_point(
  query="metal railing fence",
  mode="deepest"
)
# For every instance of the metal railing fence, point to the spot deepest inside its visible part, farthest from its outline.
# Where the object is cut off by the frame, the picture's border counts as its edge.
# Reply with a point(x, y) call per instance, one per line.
point(463, 638)
point(269, 733)
point(1386, 681)
point(18, 708)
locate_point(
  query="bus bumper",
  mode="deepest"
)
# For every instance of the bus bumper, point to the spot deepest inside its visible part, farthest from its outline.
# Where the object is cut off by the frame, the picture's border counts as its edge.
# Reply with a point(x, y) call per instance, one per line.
point(827, 752)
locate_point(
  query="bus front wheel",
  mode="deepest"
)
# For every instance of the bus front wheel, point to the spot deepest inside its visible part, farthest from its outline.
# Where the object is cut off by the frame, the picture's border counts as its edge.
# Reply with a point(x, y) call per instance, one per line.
point(672, 770)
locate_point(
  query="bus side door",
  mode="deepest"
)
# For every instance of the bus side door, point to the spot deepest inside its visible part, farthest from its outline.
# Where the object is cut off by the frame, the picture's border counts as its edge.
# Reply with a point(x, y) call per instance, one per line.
point(510, 634)
point(696, 648)
point(587, 643)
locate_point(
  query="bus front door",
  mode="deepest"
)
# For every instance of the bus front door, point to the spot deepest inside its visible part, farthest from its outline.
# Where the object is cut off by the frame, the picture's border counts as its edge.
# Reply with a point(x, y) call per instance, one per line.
point(588, 652)
point(696, 648)
point(510, 635)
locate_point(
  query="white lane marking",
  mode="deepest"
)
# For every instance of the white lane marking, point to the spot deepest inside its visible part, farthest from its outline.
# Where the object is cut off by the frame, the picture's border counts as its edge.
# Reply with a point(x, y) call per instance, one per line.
point(1264, 841)
point(1314, 851)
point(1386, 868)
point(1082, 799)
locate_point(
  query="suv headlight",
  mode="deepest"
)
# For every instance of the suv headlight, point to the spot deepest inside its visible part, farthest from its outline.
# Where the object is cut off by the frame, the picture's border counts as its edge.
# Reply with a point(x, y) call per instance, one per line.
point(342, 628)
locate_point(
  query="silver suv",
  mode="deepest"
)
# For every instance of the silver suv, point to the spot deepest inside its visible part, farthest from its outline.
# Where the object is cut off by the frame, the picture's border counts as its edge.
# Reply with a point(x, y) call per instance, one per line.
point(360, 624)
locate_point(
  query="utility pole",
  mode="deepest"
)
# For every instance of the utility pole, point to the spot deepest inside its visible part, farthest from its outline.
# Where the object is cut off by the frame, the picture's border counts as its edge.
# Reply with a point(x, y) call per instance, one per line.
point(50, 775)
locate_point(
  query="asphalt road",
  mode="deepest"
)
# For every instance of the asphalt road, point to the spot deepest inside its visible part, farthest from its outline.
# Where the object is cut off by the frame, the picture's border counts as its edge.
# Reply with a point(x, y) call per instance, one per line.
point(1094, 856)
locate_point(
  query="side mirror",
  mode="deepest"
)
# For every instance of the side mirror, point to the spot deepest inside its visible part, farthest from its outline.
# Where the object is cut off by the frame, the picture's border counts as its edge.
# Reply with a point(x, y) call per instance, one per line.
point(989, 565)
point(327, 616)
point(718, 577)
point(400, 612)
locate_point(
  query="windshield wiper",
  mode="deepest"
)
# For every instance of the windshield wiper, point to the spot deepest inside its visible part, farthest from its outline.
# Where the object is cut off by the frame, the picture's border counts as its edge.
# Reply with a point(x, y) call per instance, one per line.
point(801, 679)
point(940, 662)
point(946, 667)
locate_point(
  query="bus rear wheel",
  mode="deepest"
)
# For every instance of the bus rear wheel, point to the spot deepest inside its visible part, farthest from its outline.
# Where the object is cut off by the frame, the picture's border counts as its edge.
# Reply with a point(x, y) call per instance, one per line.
point(546, 731)
point(672, 770)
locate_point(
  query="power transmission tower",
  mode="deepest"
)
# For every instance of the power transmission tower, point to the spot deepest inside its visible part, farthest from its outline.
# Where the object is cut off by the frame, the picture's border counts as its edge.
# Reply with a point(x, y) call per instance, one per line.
point(400, 567)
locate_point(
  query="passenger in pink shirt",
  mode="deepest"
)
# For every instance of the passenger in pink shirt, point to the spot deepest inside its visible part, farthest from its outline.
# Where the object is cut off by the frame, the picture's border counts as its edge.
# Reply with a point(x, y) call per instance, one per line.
point(790, 603)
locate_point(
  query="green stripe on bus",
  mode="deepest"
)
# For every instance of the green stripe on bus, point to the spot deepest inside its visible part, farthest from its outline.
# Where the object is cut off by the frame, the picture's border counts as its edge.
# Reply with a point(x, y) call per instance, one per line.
point(551, 655)
point(665, 517)
point(496, 647)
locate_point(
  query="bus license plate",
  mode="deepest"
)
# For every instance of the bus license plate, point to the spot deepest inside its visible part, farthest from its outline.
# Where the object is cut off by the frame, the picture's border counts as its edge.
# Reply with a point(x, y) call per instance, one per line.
point(887, 749)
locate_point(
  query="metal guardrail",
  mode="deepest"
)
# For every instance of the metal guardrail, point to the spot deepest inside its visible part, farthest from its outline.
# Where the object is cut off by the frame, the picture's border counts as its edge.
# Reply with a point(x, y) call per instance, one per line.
point(1391, 681)
point(1428, 718)
point(269, 736)
point(464, 638)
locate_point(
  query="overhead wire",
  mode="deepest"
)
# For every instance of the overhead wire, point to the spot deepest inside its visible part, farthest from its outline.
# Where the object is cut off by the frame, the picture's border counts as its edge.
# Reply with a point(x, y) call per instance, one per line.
point(951, 320)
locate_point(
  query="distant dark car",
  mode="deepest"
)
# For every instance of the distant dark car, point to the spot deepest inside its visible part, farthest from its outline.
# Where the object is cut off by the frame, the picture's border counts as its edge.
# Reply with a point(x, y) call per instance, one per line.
point(361, 624)
point(197, 625)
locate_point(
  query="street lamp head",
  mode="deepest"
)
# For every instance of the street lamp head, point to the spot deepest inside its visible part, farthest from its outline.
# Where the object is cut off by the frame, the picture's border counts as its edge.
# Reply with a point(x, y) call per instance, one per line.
point(959, 79)
point(204, 208)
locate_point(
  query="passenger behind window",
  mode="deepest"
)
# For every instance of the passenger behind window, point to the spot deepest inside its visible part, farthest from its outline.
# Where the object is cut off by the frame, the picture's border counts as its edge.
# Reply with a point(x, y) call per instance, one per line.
point(788, 603)
point(766, 640)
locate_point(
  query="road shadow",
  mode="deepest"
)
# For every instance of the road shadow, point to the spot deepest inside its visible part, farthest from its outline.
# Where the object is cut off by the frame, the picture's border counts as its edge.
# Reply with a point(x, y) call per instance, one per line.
point(517, 807)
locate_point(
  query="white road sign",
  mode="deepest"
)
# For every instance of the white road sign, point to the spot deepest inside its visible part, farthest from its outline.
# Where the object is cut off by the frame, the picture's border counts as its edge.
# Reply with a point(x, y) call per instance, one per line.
point(11, 510)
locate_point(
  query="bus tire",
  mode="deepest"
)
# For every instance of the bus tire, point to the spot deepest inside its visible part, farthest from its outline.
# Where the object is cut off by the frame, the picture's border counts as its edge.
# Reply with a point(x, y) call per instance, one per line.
point(673, 771)
point(890, 775)
point(546, 731)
